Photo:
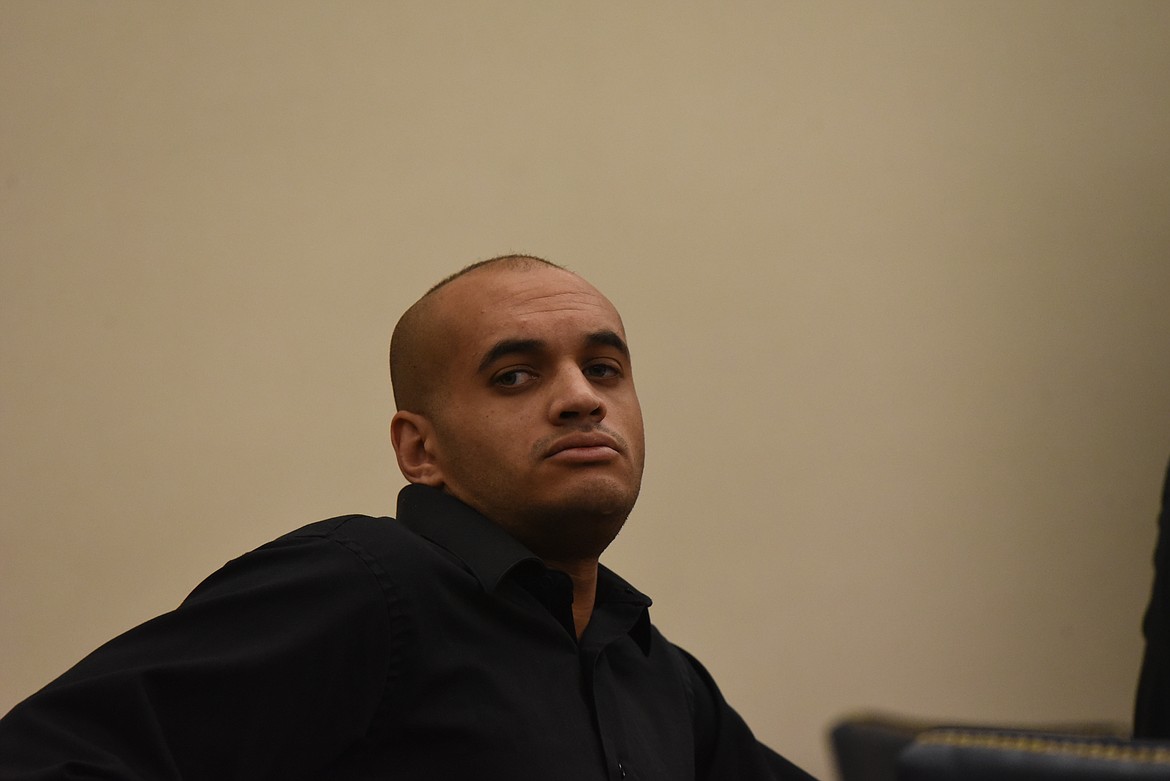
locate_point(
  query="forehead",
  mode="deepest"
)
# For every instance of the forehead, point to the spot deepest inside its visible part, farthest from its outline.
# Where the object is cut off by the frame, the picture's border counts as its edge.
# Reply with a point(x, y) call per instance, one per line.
point(548, 303)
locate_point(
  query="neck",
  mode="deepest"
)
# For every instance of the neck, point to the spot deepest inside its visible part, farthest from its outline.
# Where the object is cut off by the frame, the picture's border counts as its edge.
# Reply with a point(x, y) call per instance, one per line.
point(583, 573)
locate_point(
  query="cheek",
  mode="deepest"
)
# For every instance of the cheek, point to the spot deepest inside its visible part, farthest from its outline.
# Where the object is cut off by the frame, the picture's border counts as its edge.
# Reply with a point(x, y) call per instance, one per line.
point(633, 416)
point(638, 435)
point(498, 435)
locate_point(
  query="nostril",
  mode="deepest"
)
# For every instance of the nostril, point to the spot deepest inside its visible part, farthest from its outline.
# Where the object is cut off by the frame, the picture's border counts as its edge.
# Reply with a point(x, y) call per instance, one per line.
point(573, 413)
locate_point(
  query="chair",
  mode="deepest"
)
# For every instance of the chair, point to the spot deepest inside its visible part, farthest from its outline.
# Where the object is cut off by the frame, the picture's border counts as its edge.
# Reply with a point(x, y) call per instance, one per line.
point(987, 753)
point(868, 746)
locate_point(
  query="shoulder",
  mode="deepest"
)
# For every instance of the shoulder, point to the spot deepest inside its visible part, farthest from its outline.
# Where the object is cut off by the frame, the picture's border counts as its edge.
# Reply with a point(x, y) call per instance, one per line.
point(389, 549)
point(363, 529)
point(344, 559)
point(699, 685)
point(361, 537)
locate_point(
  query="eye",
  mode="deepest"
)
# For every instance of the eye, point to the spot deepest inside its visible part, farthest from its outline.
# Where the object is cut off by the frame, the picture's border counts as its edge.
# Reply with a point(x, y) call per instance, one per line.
point(513, 378)
point(601, 371)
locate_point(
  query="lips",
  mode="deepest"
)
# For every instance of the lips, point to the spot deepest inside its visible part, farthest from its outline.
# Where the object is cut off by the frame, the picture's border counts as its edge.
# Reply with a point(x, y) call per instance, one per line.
point(584, 445)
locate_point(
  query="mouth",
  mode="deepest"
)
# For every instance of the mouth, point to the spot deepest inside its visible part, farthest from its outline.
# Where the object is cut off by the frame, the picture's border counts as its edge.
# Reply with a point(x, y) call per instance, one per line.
point(591, 447)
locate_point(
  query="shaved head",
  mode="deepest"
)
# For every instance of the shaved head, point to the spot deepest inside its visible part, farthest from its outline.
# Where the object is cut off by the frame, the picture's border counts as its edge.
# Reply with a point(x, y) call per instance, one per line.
point(419, 346)
point(515, 395)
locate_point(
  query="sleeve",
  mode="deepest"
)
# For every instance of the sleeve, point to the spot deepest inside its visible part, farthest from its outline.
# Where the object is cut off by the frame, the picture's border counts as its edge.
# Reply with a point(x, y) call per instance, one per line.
point(270, 668)
point(725, 747)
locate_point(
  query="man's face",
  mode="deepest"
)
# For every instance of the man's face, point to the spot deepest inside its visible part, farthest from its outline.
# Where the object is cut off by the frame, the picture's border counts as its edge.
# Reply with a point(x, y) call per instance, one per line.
point(536, 423)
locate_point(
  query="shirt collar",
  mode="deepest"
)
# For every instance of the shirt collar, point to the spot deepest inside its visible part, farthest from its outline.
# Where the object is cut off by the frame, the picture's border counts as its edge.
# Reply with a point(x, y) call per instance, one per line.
point(490, 553)
point(613, 590)
point(485, 549)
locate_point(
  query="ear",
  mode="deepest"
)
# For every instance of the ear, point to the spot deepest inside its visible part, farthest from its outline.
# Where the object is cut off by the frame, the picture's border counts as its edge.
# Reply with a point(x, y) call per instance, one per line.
point(414, 442)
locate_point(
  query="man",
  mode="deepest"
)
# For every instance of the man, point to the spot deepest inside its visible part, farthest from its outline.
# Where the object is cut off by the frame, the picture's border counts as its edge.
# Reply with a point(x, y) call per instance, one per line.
point(475, 636)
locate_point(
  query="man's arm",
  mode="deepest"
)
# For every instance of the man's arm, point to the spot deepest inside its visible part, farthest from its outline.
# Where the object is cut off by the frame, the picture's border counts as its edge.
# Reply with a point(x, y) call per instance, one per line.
point(725, 747)
point(270, 668)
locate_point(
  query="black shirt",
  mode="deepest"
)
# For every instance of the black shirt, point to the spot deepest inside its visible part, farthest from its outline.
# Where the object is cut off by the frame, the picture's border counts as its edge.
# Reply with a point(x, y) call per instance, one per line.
point(434, 646)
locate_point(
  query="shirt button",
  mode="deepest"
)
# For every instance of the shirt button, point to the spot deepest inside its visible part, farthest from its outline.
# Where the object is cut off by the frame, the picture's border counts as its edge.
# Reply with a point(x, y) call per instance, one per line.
point(622, 769)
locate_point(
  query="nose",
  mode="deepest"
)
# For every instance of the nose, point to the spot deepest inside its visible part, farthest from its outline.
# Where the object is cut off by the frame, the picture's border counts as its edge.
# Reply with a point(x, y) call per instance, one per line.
point(575, 398)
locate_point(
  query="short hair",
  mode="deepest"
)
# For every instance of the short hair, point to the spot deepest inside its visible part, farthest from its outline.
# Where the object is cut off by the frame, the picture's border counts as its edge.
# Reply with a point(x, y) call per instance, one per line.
point(413, 366)
point(518, 262)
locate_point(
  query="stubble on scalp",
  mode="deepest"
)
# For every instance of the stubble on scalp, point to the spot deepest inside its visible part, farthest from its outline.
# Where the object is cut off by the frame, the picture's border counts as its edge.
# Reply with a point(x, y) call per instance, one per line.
point(420, 345)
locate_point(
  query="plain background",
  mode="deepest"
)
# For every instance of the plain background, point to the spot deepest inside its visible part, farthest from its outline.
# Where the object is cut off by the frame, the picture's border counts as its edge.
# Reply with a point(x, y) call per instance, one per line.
point(895, 275)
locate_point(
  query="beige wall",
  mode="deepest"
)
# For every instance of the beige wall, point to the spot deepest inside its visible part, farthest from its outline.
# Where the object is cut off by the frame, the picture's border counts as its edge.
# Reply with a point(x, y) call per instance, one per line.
point(896, 276)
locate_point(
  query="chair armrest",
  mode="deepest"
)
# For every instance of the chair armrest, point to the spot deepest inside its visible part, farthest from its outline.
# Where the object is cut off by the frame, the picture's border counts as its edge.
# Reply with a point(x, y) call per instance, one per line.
point(983, 754)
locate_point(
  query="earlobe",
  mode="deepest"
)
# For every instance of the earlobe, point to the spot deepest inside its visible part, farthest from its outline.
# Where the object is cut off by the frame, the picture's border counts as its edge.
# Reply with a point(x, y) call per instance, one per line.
point(413, 438)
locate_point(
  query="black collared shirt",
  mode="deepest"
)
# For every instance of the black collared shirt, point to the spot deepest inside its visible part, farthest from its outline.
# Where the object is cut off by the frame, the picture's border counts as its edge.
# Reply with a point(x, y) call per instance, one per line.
point(434, 646)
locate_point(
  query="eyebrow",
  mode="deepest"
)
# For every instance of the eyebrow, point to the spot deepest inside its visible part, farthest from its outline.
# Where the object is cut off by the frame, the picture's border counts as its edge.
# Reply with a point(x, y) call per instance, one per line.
point(506, 347)
point(510, 347)
point(608, 339)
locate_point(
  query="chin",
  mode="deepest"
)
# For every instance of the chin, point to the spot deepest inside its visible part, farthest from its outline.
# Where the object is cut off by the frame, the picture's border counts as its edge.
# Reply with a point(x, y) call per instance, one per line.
point(577, 537)
point(581, 524)
point(601, 499)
